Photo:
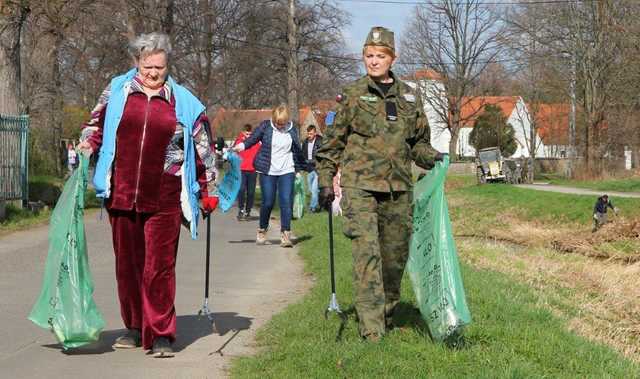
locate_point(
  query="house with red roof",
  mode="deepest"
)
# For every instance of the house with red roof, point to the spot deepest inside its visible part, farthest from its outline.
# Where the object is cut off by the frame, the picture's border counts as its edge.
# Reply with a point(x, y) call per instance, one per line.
point(429, 82)
point(518, 117)
point(552, 123)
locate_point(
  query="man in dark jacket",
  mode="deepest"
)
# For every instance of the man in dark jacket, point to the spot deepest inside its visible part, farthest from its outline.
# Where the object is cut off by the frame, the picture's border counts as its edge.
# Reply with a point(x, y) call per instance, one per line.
point(600, 211)
point(309, 148)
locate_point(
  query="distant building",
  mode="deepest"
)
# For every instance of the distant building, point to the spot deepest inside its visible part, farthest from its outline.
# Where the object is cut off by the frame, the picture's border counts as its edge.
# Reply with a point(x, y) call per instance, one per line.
point(552, 122)
point(429, 82)
point(518, 117)
point(513, 107)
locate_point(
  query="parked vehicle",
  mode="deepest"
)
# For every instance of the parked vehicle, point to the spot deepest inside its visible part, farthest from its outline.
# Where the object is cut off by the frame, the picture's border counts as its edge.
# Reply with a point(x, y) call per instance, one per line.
point(492, 167)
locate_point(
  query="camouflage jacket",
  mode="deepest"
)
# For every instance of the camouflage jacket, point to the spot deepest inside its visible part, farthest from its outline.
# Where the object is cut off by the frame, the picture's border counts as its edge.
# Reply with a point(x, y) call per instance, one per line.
point(374, 153)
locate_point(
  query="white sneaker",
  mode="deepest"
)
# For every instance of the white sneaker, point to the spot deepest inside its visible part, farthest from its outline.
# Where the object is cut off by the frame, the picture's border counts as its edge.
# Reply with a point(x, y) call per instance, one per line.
point(285, 239)
point(261, 237)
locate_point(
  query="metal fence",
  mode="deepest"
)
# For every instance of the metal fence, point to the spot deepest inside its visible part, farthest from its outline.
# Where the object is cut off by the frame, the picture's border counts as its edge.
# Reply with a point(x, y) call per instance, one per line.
point(14, 161)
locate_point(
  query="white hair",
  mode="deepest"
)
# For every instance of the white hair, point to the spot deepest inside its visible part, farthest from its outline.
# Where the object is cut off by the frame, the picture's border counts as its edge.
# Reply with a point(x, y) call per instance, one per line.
point(149, 43)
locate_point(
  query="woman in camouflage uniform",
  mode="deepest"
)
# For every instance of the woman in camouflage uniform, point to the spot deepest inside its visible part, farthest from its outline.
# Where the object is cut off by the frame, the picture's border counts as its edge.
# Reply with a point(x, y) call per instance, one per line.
point(380, 128)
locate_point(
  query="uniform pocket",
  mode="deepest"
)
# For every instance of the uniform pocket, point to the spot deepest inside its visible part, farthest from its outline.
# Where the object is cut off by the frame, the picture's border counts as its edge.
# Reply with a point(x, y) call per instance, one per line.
point(364, 123)
point(408, 114)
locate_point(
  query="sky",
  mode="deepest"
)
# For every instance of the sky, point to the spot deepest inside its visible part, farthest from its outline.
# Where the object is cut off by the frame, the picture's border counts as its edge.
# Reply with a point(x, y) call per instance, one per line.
point(366, 15)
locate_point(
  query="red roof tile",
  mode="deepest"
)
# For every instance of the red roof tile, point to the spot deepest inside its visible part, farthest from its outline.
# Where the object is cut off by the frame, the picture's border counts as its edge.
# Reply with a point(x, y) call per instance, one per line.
point(472, 107)
point(552, 122)
point(426, 73)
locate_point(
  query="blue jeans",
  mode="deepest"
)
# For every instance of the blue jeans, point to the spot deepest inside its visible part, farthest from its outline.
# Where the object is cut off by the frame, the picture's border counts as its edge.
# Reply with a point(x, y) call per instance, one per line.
point(312, 183)
point(269, 185)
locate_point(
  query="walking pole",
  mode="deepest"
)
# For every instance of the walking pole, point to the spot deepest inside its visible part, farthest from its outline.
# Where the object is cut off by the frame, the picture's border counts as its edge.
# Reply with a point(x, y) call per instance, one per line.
point(205, 306)
point(333, 302)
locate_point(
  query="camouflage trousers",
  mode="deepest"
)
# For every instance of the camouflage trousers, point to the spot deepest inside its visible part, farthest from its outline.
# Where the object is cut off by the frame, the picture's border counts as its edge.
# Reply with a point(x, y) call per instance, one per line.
point(379, 226)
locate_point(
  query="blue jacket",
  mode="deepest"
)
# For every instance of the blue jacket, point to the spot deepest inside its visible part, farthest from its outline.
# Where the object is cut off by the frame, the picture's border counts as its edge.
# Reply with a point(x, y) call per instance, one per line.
point(188, 109)
point(264, 133)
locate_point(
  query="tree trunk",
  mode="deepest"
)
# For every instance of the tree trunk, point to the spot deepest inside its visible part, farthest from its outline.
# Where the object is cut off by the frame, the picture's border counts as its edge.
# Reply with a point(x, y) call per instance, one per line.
point(8, 84)
point(292, 64)
point(57, 103)
point(168, 23)
point(10, 43)
point(454, 130)
point(572, 120)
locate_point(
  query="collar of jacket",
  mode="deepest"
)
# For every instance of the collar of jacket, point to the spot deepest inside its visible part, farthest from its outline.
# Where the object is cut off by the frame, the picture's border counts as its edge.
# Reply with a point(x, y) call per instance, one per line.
point(136, 86)
point(393, 91)
point(275, 128)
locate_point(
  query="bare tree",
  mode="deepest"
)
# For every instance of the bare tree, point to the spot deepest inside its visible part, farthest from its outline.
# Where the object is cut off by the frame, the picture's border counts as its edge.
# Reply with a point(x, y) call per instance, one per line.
point(13, 17)
point(458, 40)
point(523, 25)
point(585, 43)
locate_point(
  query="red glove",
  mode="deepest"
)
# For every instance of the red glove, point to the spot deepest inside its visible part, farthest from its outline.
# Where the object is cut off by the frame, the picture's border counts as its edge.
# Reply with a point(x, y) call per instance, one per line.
point(209, 204)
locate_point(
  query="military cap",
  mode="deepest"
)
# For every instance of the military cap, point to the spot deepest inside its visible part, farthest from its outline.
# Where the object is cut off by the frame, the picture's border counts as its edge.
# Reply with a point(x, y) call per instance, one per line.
point(380, 36)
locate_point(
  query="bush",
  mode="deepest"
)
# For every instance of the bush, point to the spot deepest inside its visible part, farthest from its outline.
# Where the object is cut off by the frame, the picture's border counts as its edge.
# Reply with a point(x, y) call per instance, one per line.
point(491, 129)
point(45, 189)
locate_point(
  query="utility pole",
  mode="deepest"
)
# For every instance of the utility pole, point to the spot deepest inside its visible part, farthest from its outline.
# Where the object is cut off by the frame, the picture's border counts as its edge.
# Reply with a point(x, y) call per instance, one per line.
point(292, 63)
point(572, 118)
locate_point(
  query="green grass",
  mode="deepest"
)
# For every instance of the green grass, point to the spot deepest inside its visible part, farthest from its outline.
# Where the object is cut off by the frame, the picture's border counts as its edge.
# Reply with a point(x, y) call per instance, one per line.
point(19, 219)
point(487, 203)
point(511, 336)
point(46, 189)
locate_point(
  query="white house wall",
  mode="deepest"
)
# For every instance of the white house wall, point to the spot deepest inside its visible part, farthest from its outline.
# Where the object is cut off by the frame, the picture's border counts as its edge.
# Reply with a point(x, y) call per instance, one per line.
point(464, 147)
point(440, 135)
point(519, 121)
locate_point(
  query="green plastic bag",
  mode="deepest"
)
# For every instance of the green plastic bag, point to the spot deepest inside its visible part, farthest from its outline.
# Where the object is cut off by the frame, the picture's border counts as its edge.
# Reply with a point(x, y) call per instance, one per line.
point(433, 262)
point(65, 305)
point(299, 197)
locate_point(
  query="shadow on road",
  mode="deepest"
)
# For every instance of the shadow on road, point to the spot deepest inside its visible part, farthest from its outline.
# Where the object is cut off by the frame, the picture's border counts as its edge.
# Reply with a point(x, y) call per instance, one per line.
point(274, 241)
point(103, 345)
point(243, 241)
point(190, 329)
point(193, 327)
point(227, 321)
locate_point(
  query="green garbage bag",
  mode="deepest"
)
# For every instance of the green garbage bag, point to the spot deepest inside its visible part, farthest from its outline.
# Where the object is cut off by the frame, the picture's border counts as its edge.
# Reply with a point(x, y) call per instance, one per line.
point(65, 305)
point(299, 197)
point(433, 262)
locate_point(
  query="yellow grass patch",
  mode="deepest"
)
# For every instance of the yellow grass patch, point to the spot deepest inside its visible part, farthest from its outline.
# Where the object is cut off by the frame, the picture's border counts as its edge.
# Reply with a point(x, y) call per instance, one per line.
point(600, 299)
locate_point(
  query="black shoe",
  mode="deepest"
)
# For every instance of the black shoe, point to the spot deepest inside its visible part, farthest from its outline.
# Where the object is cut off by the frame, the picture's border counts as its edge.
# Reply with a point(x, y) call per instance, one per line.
point(162, 348)
point(130, 340)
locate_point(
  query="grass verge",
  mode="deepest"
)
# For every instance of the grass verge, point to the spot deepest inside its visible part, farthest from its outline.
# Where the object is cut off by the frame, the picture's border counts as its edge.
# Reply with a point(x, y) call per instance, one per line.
point(512, 334)
point(46, 189)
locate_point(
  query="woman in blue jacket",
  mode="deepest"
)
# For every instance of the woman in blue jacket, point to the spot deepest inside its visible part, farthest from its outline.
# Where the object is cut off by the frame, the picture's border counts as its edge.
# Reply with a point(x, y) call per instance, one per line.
point(277, 161)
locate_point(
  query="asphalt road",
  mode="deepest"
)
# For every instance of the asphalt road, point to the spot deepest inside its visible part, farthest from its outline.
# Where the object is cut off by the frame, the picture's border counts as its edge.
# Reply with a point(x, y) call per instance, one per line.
point(577, 191)
point(249, 284)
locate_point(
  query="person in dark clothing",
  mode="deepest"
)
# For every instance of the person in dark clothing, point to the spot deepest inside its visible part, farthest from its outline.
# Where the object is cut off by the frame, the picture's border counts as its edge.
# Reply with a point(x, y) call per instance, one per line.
point(249, 175)
point(600, 211)
point(309, 148)
point(220, 146)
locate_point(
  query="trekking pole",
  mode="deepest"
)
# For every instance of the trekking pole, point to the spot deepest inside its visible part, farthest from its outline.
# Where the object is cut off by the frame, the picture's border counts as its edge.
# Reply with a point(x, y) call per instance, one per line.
point(205, 306)
point(333, 302)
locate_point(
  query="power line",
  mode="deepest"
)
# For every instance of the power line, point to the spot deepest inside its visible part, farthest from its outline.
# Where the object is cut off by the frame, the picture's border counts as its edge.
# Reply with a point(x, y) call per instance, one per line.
point(485, 3)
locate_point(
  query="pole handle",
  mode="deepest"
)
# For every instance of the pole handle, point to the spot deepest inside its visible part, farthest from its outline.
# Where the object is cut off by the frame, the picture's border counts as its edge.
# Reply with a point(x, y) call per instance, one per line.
point(331, 263)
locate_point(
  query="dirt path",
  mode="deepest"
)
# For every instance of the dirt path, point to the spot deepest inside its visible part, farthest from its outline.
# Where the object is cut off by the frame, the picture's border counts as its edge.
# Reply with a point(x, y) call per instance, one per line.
point(249, 285)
